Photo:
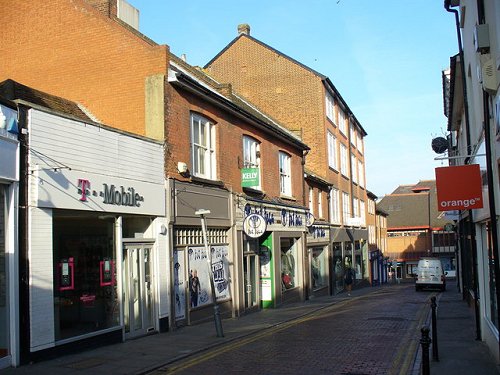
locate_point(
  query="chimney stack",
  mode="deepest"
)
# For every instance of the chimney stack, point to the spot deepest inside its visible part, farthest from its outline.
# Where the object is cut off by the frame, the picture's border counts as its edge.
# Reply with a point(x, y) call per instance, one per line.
point(244, 28)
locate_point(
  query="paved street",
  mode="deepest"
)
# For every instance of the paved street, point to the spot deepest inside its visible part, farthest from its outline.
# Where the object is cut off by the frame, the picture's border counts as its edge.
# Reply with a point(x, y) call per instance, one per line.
point(377, 333)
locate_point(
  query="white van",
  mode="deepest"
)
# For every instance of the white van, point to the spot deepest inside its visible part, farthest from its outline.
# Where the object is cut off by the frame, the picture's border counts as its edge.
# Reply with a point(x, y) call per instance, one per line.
point(430, 274)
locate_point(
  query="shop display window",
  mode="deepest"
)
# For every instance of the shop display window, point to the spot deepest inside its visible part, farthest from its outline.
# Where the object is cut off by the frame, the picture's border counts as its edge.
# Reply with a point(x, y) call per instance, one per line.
point(319, 264)
point(288, 264)
point(4, 308)
point(85, 295)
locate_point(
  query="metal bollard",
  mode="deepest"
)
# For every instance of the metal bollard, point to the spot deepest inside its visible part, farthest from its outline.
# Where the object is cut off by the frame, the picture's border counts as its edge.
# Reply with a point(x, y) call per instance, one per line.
point(435, 354)
point(425, 341)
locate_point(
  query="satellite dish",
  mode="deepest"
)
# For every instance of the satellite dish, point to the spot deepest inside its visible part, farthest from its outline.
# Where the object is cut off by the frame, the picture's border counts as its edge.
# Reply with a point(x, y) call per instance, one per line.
point(439, 145)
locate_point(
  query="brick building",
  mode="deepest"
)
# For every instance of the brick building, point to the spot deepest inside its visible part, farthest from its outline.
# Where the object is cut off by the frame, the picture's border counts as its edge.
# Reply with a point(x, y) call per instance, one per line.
point(415, 228)
point(91, 54)
point(308, 103)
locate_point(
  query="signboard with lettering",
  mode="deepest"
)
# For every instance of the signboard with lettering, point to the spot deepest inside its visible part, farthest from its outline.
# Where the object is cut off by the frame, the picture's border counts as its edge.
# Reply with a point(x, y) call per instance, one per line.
point(91, 192)
point(459, 187)
point(278, 217)
point(250, 177)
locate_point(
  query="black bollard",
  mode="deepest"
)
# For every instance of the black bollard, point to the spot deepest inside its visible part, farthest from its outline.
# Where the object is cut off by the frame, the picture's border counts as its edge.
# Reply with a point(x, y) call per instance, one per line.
point(425, 341)
point(435, 354)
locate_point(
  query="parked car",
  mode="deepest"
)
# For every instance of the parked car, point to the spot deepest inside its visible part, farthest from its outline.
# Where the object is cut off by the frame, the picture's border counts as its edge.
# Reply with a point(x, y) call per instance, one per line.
point(430, 274)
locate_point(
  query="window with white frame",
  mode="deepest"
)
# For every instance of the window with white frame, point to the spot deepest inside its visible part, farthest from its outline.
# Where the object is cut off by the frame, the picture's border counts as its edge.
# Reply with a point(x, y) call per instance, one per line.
point(342, 121)
point(360, 143)
point(334, 206)
point(371, 207)
point(353, 134)
point(371, 234)
point(251, 157)
point(332, 151)
point(311, 200)
point(346, 207)
point(354, 166)
point(361, 173)
point(343, 160)
point(285, 174)
point(330, 107)
point(355, 207)
point(320, 204)
point(203, 147)
point(362, 213)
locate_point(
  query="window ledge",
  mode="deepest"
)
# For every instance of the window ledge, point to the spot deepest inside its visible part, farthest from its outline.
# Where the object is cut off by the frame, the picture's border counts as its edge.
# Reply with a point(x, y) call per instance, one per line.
point(252, 191)
point(206, 181)
point(288, 198)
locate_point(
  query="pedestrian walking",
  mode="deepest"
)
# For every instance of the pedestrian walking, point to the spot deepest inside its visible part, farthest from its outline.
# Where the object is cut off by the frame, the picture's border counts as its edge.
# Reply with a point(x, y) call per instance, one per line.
point(349, 279)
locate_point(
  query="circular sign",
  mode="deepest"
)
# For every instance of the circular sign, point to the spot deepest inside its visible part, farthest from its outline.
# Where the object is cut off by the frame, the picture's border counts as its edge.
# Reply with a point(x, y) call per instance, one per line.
point(254, 225)
point(310, 219)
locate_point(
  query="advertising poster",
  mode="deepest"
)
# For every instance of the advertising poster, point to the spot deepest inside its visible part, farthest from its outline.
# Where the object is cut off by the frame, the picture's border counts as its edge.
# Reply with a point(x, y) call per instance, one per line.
point(200, 293)
point(179, 285)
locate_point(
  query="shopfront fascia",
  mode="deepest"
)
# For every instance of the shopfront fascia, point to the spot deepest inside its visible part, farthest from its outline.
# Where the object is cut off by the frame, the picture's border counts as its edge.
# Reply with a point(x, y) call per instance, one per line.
point(318, 244)
point(9, 194)
point(192, 295)
point(282, 275)
point(97, 244)
point(96, 236)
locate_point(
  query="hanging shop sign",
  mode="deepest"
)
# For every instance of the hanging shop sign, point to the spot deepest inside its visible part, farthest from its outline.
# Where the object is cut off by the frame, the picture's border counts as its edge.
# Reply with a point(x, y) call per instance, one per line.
point(459, 187)
point(254, 225)
point(250, 177)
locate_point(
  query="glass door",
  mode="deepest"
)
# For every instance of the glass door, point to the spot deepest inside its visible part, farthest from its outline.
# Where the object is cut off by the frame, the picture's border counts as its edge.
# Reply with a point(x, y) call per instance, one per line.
point(138, 290)
point(250, 273)
point(4, 307)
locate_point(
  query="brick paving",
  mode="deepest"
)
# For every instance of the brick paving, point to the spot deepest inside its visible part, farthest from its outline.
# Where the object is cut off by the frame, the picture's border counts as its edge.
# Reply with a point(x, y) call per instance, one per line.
point(364, 335)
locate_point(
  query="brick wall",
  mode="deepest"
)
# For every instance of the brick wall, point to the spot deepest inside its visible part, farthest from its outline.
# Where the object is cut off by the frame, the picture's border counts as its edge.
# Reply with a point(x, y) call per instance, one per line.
point(229, 133)
point(291, 93)
point(70, 49)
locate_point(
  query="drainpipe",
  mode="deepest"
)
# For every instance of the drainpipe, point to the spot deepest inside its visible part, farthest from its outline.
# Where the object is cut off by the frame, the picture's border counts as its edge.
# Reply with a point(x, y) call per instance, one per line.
point(24, 308)
point(447, 4)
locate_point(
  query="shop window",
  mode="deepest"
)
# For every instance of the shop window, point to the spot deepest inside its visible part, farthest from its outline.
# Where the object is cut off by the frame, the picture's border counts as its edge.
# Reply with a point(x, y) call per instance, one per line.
point(288, 264)
point(337, 266)
point(4, 336)
point(319, 263)
point(493, 311)
point(85, 295)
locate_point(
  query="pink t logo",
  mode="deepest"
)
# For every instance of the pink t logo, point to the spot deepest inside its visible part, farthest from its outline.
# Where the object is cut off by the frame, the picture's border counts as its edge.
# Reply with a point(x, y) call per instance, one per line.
point(83, 185)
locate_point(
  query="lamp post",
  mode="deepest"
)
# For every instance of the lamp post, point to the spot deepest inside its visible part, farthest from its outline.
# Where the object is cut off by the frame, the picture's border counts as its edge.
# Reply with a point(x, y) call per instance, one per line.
point(218, 324)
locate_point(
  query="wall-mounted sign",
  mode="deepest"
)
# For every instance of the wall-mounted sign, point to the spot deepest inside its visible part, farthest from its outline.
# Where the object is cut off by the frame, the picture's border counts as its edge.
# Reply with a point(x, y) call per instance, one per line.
point(250, 177)
point(254, 225)
point(87, 191)
point(459, 187)
point(309, 219)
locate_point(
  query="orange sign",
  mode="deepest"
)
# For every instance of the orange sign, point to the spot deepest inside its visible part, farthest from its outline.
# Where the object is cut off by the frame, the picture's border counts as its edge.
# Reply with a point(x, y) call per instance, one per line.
point(459, 187)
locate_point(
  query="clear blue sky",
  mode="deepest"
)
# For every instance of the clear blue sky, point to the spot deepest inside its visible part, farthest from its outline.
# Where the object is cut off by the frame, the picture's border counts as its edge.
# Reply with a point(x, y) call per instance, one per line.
point(385, 57)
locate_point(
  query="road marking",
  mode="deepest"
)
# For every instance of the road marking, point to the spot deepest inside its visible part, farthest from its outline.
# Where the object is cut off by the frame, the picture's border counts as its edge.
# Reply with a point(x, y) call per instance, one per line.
point(406, 354)
point(239, 342)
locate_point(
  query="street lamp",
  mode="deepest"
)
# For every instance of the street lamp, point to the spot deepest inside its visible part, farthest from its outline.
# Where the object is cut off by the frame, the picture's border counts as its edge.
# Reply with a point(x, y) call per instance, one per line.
point(218, 324)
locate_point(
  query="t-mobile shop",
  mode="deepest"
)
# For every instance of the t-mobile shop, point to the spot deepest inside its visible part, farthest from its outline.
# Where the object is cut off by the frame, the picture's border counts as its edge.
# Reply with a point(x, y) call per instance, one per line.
point(272, 239)
point(97, 246)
